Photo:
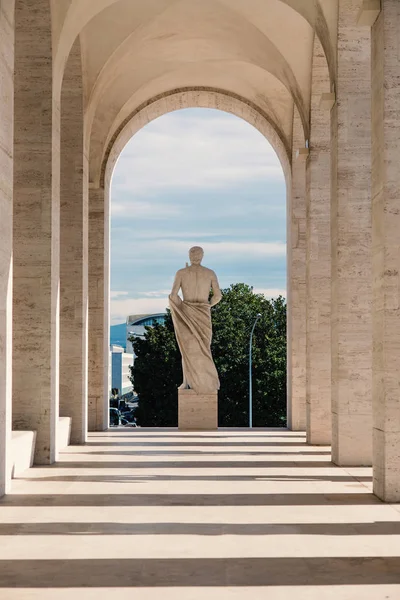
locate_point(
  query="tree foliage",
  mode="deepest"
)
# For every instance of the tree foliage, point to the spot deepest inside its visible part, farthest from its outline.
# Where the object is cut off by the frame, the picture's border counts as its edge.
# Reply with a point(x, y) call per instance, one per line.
point(157, 370)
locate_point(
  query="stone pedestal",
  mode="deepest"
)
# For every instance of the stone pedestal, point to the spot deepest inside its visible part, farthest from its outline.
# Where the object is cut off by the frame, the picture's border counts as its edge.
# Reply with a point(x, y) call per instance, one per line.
point(197, 411)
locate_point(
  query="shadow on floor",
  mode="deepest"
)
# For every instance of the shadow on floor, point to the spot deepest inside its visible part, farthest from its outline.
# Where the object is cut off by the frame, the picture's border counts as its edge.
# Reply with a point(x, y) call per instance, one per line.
point(310, 499)
point(199, 572)
point(197, 464)
point(205, 529)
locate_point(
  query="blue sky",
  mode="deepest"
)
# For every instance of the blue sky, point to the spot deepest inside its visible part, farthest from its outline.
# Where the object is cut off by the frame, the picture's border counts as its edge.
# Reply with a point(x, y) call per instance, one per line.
point(195, 177)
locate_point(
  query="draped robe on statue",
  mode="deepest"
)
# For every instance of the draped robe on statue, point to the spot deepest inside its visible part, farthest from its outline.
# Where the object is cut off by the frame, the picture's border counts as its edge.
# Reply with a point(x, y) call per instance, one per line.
point(192, 322)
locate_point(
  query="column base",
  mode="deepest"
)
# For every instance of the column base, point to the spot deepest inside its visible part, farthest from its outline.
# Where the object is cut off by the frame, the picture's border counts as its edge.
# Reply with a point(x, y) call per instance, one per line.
point(352, 440)
point(197, 412)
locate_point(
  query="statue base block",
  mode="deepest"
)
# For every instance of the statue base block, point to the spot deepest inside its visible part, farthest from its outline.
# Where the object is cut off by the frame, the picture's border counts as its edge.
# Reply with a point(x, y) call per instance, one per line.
point(197, 412)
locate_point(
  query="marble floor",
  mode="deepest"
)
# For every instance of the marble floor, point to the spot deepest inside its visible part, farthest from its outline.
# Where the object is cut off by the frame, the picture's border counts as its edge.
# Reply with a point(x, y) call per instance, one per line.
point(145, 514)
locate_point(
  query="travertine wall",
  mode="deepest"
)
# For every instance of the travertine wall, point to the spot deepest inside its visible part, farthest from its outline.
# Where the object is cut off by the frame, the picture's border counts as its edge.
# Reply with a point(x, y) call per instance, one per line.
point(351, 244)
point(318, 361)
point(74, 222)
point(386, 250)
point(36, 230)
point(99, 290)
point(296, 286)
point(6, 183)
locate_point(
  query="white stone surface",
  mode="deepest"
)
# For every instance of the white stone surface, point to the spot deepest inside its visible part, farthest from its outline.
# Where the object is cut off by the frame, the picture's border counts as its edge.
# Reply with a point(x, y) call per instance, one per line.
point(386, 251)
point(296, 287)
point(6, 232)
point(226, 515)
point(369, 11)
point(22, 451)
point(192, 322)
point(36, 230)
point(197, 411)
point(351, 244)
point(64, 432)
point(99, 291)
point(318, 262)
point(74, 223)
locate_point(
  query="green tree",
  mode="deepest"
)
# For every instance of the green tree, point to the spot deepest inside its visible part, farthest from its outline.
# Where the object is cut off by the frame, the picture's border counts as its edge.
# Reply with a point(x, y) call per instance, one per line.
point(157, 370)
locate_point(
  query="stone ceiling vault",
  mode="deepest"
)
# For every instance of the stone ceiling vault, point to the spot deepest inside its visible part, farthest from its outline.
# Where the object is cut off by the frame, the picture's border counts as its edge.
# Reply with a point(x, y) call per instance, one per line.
point(136, 50)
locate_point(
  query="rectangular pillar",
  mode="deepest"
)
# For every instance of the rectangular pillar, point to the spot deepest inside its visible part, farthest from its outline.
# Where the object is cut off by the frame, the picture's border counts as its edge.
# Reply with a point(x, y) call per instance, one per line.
point(296, 287)
point(73, 253)
point(386, 251)
point(318, 272)
point(36, 230)
point(99, 324)
point(6, 217)
point(351, 244)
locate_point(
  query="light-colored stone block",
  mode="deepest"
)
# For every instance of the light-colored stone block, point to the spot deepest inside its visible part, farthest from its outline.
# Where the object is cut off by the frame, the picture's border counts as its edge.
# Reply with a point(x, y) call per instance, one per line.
point(352, 439)
point(386, 252)
point(99, 293)
point(36, 231)
point(64, 432)
point(351, 323)
point(197, 411)
point(369, 12)
point(73, 252)
point(296, 287)
point(327, 100)
point(6, 234)
point(302, 154)
point(318, 269)
point(22, 451)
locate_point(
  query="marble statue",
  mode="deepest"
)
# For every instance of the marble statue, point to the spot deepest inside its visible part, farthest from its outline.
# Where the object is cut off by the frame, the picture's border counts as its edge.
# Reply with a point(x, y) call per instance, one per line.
point(192, 322)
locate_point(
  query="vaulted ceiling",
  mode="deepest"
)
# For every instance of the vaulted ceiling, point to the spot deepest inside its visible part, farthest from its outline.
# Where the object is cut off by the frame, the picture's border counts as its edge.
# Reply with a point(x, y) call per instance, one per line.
point(135, 50)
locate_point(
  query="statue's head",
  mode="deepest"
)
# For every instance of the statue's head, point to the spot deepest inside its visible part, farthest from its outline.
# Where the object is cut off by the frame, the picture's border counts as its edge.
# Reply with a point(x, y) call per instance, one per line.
point(196, 255)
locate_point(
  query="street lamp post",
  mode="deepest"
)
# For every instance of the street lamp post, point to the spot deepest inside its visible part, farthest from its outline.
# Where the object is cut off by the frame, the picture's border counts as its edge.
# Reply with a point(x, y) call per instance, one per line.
point(250, 374)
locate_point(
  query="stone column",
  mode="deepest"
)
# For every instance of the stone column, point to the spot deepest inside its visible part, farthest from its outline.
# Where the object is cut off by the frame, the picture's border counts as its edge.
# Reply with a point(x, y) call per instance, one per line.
point(74, 219)
point(6, 199)
point(351, 244)
point(36, 230)
point(318, 361)
point(296, 286)
point(386, 251)
point(99, 326)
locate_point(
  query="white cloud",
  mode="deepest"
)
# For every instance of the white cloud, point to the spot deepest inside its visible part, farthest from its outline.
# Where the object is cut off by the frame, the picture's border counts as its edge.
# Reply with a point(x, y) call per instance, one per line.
point(194, 153)
point(177, 250)
point(120, 309)
point(143, 209)
point(118, 294)
point(157, 294)
point(230, 249)
point(270, 292)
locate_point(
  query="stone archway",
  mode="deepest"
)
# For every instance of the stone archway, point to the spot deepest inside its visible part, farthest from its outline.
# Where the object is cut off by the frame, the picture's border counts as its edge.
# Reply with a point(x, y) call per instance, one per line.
point(99, 212)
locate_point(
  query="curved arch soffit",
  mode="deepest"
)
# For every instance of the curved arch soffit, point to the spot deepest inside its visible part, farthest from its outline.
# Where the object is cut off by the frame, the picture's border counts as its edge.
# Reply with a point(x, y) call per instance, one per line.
point(81, 12)
point(193, 98)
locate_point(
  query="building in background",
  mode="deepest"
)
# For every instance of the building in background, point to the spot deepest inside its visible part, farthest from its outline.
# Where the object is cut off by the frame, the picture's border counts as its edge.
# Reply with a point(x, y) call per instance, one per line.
point(136, 326)
point(120, 362)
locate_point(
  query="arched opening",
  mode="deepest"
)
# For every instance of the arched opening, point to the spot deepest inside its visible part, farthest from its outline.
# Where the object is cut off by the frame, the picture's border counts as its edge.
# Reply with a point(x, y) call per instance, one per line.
point(199, 177)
